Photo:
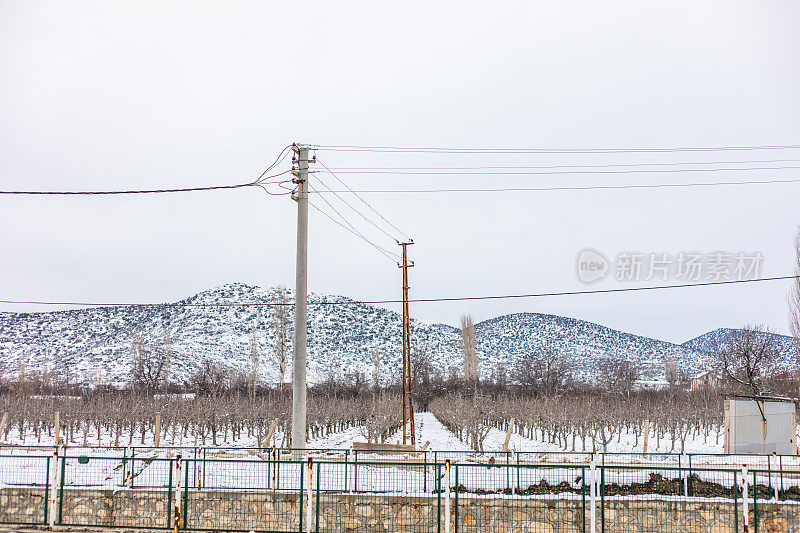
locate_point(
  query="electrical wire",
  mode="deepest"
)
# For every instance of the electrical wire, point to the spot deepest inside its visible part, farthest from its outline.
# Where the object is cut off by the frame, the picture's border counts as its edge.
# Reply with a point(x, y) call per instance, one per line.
point(349, 227)
point(412, 300)
point(335, 193)
point(576, 188)
point(501, 167)
point(435, 150)
point(365, 202)
point(258, 182)
point(557, 172)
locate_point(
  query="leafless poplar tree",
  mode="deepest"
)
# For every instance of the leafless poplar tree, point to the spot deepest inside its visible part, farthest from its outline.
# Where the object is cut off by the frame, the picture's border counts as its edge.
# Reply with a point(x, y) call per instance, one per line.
point(794, 299)
point(671, 370)
point(281, 324)
point(469, 349)
point(748, 358)
point(376, 366)
point(253, 360)
point(149, 364)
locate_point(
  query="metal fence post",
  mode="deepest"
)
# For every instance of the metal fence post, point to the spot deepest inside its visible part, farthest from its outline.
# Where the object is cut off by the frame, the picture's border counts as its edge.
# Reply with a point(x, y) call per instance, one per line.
point(603, 496)
point(447, 496)
point(186, 485)
point(745, 512)
point(61, 485)
point(455, 511)
point(735, 502)
point(346, 453)
point(273, 479)
point(508, 473)
point(319, 475)
point(204, 467)
point(438, 484)
point(583, 499)
point(355, 471)
point(309, 493)
point(176, 504)
point(755, 503)
point(169, 496)
point(425, 471)
point(302, 499)
point(46, 516)
point(593, 497)
point(780, 465)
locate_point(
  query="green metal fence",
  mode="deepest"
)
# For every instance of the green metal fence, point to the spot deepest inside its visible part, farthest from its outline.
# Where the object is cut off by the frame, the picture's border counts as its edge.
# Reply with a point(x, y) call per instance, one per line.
point(498, 493)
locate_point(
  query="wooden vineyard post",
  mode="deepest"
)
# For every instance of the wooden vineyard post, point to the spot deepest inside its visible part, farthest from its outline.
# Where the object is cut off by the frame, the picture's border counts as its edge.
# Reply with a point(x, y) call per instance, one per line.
point(646, 433)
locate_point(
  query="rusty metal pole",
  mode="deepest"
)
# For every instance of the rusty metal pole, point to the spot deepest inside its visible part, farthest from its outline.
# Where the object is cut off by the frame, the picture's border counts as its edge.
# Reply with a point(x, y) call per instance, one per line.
point(408, 405)
point(176, 509)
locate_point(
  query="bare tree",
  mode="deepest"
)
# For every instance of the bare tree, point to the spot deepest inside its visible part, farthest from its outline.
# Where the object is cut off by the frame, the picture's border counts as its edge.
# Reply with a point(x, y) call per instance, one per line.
point(376, 367)
point(210, 379)
point(149, 363)
point(545, 372)
point(748, 358)
point(671, 370)
point(253, 360)
point(618, 374)
point(794, 299)
point(469, 349)
point(281, 325)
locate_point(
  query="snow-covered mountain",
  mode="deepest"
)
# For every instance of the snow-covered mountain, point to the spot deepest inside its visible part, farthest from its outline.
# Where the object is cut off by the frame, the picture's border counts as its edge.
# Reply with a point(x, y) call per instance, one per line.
point(94, 344)
point(718, 337)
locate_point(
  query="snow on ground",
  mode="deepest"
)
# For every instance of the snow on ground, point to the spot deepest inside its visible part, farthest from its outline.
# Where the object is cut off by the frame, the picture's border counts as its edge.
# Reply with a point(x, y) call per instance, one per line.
point(341, 440)
point(427, 428)
point(625, 443)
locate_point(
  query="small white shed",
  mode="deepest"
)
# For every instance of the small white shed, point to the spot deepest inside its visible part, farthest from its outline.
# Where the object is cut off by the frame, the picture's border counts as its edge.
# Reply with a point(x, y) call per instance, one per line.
point(760, 425)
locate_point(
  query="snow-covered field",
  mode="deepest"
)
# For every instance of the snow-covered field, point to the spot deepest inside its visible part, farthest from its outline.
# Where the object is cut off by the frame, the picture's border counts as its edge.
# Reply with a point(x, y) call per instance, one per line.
point(536, 468)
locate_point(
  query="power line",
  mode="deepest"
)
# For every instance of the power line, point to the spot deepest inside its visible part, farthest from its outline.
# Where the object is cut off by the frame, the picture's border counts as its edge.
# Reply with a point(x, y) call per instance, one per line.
point(608, 165)
point(354, 231)
point(407, 149)
point(576, 188)
point(557, 172)
point(258, 182)
point(142, 191)
point(364, 202)
point(417, 300)
point(362, 215)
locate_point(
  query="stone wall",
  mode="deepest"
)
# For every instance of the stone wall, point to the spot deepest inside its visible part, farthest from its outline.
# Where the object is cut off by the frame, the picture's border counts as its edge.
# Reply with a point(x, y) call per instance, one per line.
point(359, 513)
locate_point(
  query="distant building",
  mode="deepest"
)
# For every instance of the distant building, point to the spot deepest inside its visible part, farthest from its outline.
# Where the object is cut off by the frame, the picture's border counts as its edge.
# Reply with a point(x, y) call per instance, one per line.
point(707, 380)
point(650, 384)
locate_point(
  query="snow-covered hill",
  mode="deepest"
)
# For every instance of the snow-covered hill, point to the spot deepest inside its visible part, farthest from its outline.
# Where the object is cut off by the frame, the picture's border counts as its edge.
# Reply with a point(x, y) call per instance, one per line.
point(708, 341)
point(94, 344)
point(585, 343)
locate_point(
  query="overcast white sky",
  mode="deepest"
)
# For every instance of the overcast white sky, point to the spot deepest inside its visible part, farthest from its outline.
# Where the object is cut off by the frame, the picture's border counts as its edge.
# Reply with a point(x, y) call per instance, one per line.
point(109, 95)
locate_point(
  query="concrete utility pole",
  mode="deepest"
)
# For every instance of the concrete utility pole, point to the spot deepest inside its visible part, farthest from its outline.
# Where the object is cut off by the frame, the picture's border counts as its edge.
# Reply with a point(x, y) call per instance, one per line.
point(408, 405)
point(300, 300)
